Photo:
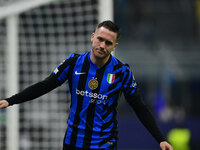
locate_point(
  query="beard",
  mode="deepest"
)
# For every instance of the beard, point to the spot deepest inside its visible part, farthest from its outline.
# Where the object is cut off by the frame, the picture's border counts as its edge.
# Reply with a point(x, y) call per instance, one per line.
point(100, 53)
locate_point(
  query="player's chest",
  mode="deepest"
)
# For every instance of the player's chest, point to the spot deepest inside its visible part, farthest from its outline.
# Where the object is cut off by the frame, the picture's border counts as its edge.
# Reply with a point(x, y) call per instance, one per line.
point(94, 79)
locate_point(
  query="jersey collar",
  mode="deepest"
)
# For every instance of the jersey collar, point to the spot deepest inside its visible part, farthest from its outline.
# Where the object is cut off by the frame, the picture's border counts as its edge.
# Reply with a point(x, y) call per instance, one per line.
point(109, 60)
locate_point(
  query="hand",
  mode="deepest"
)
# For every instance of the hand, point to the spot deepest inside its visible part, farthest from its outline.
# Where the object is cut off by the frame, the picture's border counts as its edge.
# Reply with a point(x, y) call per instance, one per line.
point(165, 146)
point(3, 104)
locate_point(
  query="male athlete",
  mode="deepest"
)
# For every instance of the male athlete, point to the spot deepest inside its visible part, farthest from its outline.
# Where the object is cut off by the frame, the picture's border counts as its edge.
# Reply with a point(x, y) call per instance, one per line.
point(96, 80)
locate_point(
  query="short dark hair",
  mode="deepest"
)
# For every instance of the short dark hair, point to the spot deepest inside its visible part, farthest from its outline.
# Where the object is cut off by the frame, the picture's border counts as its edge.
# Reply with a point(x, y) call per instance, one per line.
point(110, 26)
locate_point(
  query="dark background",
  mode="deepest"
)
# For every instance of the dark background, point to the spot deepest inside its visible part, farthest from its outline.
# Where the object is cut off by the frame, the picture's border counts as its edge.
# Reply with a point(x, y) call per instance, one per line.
point(160, 41)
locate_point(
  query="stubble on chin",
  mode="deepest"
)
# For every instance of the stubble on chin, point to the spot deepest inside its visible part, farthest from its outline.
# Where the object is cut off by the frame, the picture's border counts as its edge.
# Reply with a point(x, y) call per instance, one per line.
point(98, 55)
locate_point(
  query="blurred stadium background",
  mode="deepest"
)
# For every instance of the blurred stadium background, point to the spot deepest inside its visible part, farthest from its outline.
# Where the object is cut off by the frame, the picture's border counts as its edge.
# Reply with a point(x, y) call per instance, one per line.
point(159, 39)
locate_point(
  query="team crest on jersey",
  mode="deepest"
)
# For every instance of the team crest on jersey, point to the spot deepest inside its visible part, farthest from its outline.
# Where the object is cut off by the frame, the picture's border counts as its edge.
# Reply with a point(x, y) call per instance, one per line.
point(93, 83)
point(111, 78)
point(110, 143)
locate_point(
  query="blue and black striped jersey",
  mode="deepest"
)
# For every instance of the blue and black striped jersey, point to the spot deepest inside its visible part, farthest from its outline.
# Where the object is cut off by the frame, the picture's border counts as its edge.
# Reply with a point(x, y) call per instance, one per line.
point(92, 122)
point(95, 92)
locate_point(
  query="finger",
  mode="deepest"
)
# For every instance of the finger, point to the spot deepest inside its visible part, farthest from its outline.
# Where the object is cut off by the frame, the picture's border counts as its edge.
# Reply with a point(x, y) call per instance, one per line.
point(2, 105)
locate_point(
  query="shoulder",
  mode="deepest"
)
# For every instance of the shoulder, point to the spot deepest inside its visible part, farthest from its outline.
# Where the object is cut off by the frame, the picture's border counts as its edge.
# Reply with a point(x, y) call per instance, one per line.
point(76, 55)
point(120, 64)
point(72, 56)
point(68, 62)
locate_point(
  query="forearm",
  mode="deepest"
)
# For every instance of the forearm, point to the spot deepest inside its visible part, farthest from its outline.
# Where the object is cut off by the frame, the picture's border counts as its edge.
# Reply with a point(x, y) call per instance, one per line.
point(145, 116)
point(34, 91)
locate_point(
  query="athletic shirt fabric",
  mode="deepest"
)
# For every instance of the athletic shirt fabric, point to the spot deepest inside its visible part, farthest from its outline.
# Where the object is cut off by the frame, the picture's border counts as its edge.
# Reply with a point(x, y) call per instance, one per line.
point(92, 121)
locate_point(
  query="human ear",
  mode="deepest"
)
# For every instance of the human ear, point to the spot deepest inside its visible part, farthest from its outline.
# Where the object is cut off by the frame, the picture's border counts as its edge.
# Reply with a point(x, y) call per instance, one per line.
point(92, 37)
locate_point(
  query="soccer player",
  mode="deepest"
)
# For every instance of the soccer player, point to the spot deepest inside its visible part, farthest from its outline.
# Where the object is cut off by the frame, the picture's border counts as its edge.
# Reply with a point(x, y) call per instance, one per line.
point(96, 80)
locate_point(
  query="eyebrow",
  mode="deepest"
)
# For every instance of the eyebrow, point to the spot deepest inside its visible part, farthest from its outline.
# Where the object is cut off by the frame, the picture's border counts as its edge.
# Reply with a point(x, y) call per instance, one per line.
point(107, 41)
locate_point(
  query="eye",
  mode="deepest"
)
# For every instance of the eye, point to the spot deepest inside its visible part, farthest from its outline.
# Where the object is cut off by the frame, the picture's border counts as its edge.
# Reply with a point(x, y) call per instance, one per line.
point(100, 39)
point(108, 43)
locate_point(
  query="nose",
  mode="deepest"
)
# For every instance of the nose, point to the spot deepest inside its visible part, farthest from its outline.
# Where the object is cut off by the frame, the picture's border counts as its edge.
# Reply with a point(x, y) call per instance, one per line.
point(103, 44)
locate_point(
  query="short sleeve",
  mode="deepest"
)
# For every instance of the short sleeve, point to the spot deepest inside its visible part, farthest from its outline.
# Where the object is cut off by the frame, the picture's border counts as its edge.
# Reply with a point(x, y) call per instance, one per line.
point(129, 84)
point(62, 70)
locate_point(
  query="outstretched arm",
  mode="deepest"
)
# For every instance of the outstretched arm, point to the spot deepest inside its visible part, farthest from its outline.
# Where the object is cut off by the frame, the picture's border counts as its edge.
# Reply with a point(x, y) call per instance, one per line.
point(32, 92)
point(146, 117)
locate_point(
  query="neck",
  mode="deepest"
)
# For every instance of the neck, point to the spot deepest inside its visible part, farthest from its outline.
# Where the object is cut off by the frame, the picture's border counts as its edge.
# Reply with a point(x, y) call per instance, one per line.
point(99, 62)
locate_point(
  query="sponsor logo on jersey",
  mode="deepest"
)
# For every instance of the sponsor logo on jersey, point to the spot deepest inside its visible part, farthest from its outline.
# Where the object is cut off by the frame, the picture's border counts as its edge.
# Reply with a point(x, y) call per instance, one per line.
point(93, 83)
point(95, 97)
point(110, 78)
